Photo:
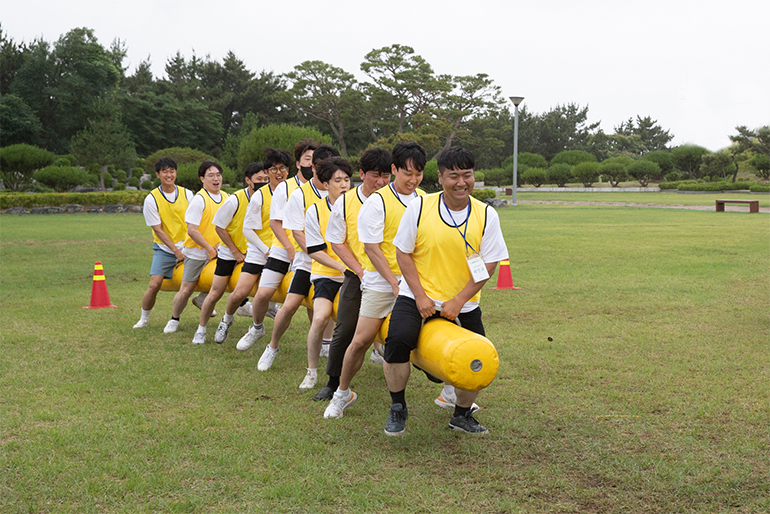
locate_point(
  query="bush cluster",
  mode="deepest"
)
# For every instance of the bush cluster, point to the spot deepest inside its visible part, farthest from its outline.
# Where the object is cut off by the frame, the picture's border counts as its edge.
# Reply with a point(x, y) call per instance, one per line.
point(482, 194)
point(713, 186)
point(62, 199)
point(61, 178)
point(760, 188)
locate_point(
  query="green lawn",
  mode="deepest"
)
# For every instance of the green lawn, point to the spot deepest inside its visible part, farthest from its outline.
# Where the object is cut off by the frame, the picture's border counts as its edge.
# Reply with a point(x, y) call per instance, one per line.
point(633, 378)
point(664, 198)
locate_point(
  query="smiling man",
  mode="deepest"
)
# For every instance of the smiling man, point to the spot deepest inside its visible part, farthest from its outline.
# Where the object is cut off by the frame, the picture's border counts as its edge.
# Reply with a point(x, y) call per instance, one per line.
point(447, 246)
point(202, 238)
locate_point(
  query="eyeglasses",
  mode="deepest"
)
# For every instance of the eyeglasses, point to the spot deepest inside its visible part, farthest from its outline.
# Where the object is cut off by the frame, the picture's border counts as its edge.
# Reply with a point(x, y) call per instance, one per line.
point(279, 169)
point(212, 175)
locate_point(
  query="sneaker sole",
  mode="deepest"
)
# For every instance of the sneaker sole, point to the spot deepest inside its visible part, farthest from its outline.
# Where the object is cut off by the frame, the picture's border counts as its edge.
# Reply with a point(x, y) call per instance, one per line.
point(460, 429)
point(395, 434)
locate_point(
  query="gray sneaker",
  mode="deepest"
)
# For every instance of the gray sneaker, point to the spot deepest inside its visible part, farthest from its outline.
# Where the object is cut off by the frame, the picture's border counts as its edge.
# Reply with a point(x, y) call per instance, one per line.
point(272, 310)
point(396, 424)
point(220, 336)
point(198, 302)
point(251, 337)
point(467, 424)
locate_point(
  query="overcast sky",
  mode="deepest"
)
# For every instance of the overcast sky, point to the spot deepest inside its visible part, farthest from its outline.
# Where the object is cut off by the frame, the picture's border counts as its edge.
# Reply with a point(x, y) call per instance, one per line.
point(697, 66)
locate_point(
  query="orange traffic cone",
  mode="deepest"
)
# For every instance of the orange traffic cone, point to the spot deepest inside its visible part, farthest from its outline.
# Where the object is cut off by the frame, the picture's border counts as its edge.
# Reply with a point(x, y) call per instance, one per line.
point(504, 280)
point(100, 298)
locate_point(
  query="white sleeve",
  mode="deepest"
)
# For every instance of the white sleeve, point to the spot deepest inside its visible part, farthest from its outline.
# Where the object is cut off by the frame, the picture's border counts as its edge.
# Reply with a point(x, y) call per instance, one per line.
point(371, 220)
point(493, 248)
point(407, 228)
point(189, 194)
point(337, 229)
point(294, 214)
point(253, 218)
point(313, 235)
point(278, 204)
point(151, 214)
point(194, 213)
point(224, 215)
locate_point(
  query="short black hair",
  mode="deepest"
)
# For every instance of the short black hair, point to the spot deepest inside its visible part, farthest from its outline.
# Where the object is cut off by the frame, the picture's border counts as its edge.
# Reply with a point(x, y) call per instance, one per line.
point(324, 151)
point(273, 157)
point(205, 165)
point(252, 168)
point(376, 159)
point(163, 163)
point(456, 158)
point(303, 146)
point(404, 152)
point(326, 168)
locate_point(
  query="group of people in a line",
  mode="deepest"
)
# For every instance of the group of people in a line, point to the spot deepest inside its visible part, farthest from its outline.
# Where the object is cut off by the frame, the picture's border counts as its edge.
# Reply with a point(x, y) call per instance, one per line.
point(385, 248)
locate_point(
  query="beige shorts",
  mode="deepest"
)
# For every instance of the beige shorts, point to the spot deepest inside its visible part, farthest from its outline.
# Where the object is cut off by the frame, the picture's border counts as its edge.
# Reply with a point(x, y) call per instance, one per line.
point(375, 304)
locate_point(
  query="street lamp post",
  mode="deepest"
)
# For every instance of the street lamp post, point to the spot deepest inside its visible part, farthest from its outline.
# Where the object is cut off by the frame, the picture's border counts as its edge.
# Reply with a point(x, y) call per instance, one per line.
point(516, 101)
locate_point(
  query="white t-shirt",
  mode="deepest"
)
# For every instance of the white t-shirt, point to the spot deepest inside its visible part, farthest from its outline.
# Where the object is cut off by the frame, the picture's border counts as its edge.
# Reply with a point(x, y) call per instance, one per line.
point(252, 221)
point(492, 249)
point(294, 219)
point(313, 235)
point(193, 216)
point(222, 219)
point(337, 229)
point(371, 227)
point(152, 216)
point(277, 208)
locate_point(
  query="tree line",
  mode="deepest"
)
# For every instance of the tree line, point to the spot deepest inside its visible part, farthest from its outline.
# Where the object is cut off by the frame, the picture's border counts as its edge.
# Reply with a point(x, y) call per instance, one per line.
point(74, 96)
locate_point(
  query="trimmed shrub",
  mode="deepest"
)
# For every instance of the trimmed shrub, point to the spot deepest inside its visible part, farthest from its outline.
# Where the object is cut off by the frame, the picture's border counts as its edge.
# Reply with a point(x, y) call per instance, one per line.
point(63, 160)
point(675, 184)
point(61, 178)
point(558, 174)
point(614, 172)
point(478, 176)
point(134, 182)
point(108, 180)
point(63, 199)
point(586, 172)
point(674, 176)
point(534, 176)
point(572, 157)
point(530, 160)
point(147, 185)
point(120, 175)
point(120, 186)
point(156, 183)
point(180, 156)
point(662, 158)
point(760, 188)
point(481, 194)
point(761, 163)
point(281, 137)
point(430, 176)
point(643, 171)
point(19, 162)
point(496, 176)
point(713, 186)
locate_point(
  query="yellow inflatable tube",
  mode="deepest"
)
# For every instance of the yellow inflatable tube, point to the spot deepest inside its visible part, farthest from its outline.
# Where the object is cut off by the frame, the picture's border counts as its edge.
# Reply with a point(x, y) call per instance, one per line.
point(453, 354)
point(207, 276)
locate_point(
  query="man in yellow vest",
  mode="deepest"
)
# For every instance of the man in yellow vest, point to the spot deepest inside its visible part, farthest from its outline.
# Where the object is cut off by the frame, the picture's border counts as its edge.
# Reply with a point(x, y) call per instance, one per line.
point(228, 223)
point(283, 250)
point(299, 202)
point(202, 239)
point(327, 270)
point(447, 246)
point(164, 210)
point(256, 230)
point(342, 233)
point(377, 224)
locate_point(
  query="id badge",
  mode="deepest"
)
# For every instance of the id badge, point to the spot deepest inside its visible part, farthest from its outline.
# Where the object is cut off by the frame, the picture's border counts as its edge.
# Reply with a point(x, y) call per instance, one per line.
point(478, 268)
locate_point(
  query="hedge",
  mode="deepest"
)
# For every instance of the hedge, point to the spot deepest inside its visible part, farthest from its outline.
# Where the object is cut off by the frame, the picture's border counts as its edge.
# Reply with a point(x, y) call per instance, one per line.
point(714, 186)
point(63, 199)
point(482, 194)
point(760, 188)
point(675, 184)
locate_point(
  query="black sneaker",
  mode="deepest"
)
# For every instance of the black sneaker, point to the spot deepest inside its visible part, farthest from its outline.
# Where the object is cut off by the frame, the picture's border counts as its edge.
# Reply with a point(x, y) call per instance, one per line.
point(324, 395)
point(396, 424)
point(467, 424)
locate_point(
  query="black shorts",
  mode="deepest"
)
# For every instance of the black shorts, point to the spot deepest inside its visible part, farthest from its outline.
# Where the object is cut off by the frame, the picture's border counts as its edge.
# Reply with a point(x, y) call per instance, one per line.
point(300, 283)
point(277, 265)
point(224, 267)
point(326, 288)
point(252, 269)
point(403, 334)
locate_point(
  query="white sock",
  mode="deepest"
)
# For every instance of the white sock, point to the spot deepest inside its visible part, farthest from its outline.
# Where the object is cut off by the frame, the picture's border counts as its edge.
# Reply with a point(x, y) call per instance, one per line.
point(343, 393)
point(229, 318)
point(201, 329)
point(326, 341)
point(257, 327)
point(449, 391)
point(312, 371)
point(145, 314)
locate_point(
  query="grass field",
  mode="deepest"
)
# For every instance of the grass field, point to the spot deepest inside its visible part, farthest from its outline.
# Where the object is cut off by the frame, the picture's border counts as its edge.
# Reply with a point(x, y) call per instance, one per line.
point(633, 378)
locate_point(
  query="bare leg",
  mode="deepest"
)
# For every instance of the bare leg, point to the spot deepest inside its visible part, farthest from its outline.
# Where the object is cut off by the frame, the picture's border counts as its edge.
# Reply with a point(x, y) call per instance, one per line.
point(242, 289)
point(322, 309)
point(261, 304)
point(396, 375)
point(218, 286)
point(181, 298)
point(148, 299)
point(283, 318)
point(465, 398)
point(366, 331)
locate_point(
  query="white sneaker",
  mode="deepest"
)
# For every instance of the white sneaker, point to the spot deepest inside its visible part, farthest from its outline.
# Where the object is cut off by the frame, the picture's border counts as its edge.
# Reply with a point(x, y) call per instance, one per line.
point(324, 350)
point(251, 337)
point(199, 338)
point(339, 403)
point(311, 379)
point(171, 326)
point(449, 403)
point(244, 310)
point(375, 358)
point(266, 361)
point(142, 323)
point(220, 336)
point(198, 302)
point(272, 310)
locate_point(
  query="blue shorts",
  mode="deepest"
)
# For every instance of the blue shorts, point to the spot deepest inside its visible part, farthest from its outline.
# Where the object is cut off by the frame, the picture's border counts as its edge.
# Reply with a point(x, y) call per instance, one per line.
point(162, 262)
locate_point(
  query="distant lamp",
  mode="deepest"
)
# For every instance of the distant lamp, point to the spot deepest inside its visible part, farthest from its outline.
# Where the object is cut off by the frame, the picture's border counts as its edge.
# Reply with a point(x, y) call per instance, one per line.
point(516, 101)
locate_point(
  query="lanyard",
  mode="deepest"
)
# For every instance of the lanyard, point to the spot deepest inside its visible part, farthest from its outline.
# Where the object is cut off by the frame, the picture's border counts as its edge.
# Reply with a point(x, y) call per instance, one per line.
point(248, 196)
point(398, 196)
point(315, 189)
point(467, 222)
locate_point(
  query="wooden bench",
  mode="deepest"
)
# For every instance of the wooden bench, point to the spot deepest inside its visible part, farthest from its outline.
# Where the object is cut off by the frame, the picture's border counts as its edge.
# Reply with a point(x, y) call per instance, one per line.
point(753, 204)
